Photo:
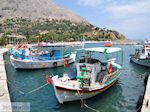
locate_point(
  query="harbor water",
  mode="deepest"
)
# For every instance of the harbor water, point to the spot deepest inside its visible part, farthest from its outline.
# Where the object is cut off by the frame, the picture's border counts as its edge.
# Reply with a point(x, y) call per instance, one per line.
point(121, 97)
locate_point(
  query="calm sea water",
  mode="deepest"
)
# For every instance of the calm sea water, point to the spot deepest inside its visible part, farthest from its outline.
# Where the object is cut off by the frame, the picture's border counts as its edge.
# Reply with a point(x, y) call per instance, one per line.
point(122, 97)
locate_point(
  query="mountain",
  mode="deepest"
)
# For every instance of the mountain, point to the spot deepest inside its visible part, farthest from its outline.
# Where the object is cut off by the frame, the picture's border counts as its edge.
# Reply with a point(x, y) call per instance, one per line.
point(30, 18)
point(36, 9)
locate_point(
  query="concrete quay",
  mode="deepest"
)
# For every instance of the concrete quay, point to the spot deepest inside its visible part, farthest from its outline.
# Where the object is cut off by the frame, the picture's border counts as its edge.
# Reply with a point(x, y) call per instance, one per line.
point(146, 100)
point(5, 103)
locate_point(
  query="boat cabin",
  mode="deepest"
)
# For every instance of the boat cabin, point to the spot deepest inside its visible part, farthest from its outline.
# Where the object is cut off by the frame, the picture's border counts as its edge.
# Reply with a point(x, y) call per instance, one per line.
point(90, 70)
point(143, 53)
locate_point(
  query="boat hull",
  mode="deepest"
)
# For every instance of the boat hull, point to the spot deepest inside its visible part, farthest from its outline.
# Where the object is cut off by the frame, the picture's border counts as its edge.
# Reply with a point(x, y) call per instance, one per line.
point(68, 94)
point(38, 64)
point(143, 62)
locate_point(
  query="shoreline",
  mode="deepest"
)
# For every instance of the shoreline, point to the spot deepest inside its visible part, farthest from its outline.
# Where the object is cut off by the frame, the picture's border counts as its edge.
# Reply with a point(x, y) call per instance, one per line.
point(116, 42)
point(79, 43)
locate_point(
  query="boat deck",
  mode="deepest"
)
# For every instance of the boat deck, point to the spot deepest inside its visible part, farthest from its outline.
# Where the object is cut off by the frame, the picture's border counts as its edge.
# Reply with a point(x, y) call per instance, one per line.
point(74, 84)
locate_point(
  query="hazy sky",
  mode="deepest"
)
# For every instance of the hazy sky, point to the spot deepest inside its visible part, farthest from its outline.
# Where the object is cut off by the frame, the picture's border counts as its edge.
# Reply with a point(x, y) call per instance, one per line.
point(130, 17)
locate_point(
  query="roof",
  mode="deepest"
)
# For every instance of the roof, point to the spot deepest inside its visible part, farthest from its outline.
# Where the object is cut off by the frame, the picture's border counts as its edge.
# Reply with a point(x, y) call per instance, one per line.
point(16, 36)
point(102, 49)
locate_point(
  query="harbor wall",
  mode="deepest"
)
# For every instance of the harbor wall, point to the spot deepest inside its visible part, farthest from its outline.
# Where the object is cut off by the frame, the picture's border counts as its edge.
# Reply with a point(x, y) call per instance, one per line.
point(146, 100)
point(5, 103)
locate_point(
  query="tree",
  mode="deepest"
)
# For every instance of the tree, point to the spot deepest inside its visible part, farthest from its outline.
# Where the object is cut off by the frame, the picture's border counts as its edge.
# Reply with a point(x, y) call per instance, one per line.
point(3, 41)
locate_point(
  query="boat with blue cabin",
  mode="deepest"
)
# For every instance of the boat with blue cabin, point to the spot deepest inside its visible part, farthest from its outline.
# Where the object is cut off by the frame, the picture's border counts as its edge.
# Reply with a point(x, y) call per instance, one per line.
point(27, 58)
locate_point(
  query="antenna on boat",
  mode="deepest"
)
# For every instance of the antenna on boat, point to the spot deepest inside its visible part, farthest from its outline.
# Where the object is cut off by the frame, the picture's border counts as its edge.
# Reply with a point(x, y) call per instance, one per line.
point(105, 52)
point(122, 57)
point(83, 43)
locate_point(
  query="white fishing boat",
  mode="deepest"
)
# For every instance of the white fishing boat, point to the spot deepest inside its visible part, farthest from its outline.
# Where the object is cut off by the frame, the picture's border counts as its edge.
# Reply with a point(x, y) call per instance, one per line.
point(92, 76)
point(142, 56)
point(147, 42)
point(40, 60)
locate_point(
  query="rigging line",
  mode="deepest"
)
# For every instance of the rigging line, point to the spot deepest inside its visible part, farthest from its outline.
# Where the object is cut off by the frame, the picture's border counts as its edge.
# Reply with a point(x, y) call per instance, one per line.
point(86, 104)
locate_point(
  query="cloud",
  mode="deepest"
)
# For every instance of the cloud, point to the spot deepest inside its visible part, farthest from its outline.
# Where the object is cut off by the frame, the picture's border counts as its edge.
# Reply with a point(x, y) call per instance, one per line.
point(95, 3)
point(128, 17)
point(91, 3)
point(135, 8)
point(132, 18)
point(132, 28)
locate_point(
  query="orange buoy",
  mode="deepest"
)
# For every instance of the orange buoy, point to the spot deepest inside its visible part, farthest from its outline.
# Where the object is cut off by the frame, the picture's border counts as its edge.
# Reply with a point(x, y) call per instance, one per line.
point(109, 68)
point(108, 44)
point(66, 62)
point(49, 79)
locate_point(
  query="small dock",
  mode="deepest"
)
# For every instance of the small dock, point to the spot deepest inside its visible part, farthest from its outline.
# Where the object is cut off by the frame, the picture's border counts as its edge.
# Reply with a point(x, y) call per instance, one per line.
point(5, 103)
point(146, 100)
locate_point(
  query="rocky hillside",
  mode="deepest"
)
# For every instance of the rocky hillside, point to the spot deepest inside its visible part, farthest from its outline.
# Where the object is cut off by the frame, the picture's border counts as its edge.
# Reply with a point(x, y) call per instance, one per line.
point(37, 9)
point(103, 34)
point(46, 20)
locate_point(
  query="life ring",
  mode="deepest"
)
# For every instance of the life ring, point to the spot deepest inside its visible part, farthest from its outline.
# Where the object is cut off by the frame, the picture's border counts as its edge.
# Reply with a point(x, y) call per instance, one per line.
point(66, 62)
point(109, 68)
point(55, 64)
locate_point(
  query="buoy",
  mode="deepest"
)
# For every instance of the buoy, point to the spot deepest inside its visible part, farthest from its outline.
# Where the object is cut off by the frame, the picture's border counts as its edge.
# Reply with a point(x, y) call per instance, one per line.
point(49, 79)
point(66, 62)
point(109, 68)
point(108, 44)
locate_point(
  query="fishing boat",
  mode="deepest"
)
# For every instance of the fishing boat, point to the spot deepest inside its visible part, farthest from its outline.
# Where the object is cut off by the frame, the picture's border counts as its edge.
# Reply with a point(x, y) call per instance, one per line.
point(90, 77)
point(147, 42)
point(34, 59)
point(141, 56)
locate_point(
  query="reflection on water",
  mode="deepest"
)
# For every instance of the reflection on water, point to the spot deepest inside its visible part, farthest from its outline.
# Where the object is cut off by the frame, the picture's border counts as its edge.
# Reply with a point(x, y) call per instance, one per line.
point(122, 97)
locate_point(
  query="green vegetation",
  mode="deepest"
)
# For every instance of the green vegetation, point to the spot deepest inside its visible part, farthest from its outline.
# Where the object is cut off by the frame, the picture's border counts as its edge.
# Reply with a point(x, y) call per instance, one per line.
point(52, 31)
point(3, 41)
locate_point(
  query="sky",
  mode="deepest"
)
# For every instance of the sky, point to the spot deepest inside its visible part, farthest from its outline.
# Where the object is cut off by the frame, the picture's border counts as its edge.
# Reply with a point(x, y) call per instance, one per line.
point(129, 17)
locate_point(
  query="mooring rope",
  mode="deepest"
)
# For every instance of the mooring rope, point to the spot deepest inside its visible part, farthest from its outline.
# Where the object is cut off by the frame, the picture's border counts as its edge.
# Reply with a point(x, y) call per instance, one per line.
point(37, 88)
point(23, 93)
point(143, 75)
point(86, 104)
